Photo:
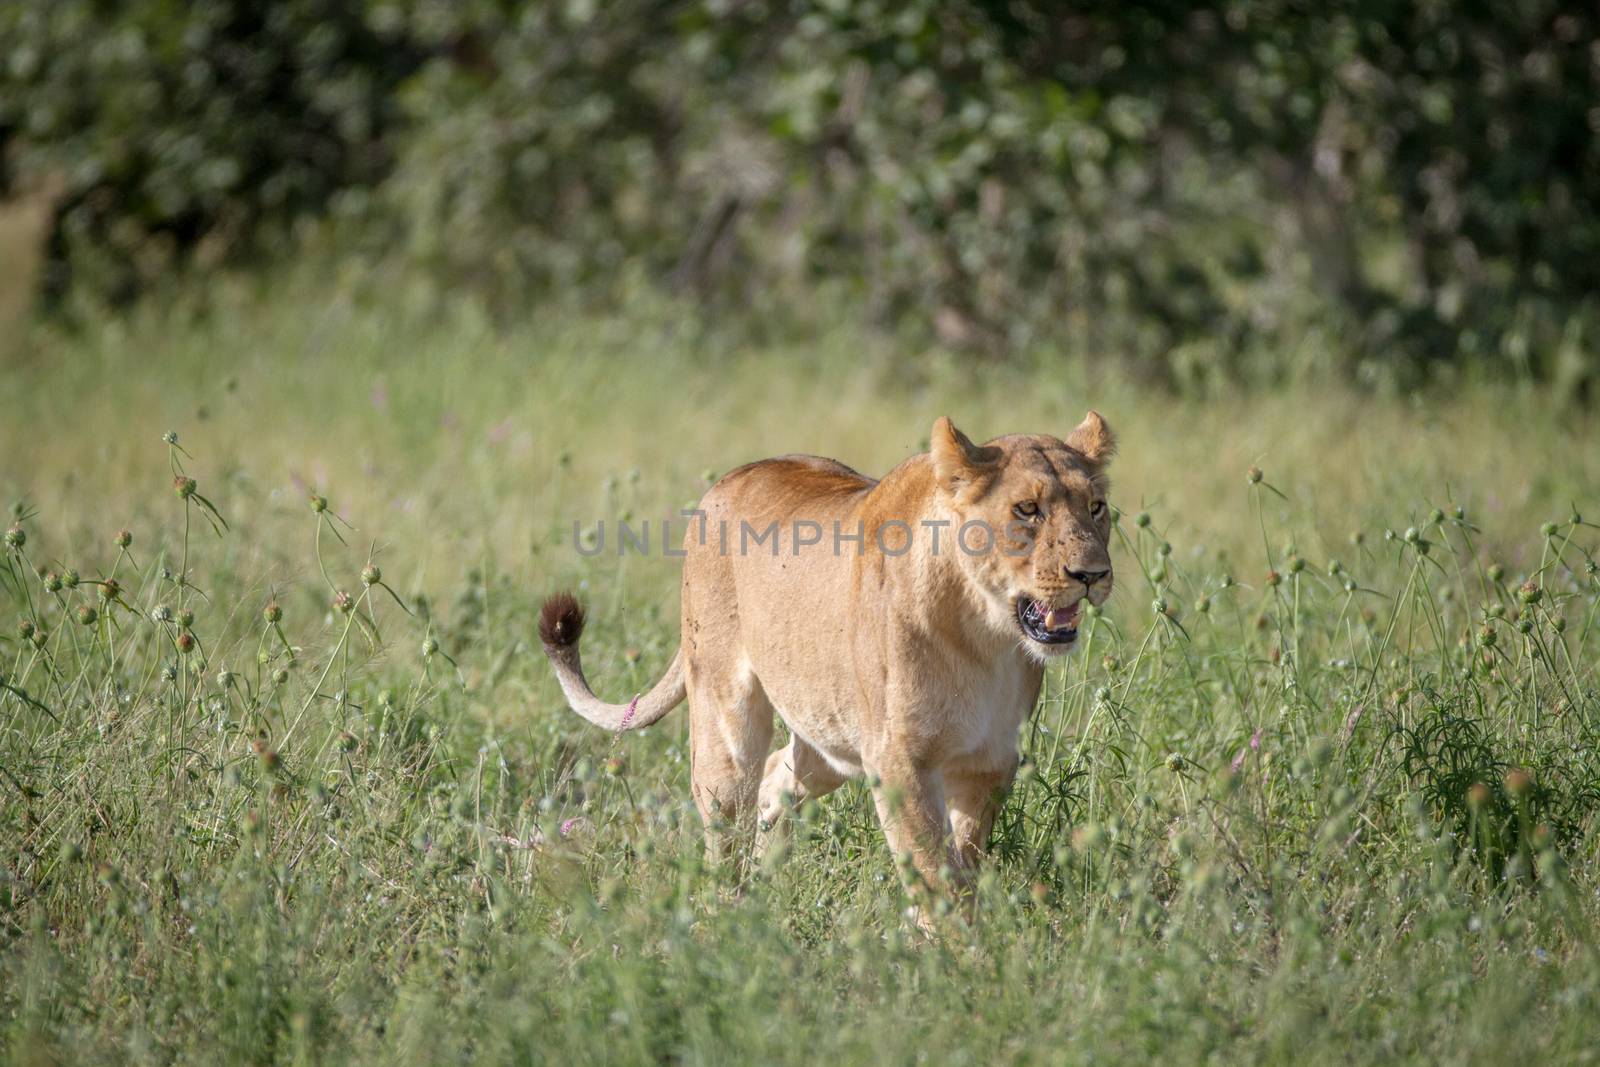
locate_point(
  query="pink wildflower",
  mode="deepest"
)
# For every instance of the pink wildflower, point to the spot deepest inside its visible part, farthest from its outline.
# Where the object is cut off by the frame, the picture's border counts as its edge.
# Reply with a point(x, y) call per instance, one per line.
point(627, 716)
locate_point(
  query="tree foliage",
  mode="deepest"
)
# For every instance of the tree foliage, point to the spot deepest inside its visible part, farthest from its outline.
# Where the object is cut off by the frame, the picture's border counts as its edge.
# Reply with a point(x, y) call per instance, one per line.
point(1182, 184)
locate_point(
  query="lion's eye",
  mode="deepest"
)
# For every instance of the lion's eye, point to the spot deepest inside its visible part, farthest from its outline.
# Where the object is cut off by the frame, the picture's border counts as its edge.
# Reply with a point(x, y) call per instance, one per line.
point(1026, 510)
point(1098, 508)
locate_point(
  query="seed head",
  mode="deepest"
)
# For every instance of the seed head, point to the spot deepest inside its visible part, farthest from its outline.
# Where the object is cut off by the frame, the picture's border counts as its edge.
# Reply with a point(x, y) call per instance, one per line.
point(1253, 476)
point(1142, 520)
point(224, 679)
point(1495, 572)
point(429, 646)
point(52, 582)
point(16, 537)
point(186, 618)
point(272, 612)
point(1349, 585)
point(1486, 636)
point(40, 636)
point(25, 629)
point(1558, 624)
point(1334, 568)
point(1358, 538)
point(69, 578)
point(1274, 579)
point(1495, 610)
point(1479, 796)
point(185, 643)
point(123, 539)
point(1590, 567)
point(615, 766)
point(1165, 549)
point(1530, 593)
point(169, 674)
point(1203, 606)
point(1296, 565)
point(170, 437)
point(1548, 529)
point(1435, 517)
point(371, 574)
point(1460, 513)
point(1412, 536)
point(1174, 761)
point(184, 486)
point(347, 741)
point(319, 503)
point(1227, 581)
point(110, 589)
point(1159, 606)
point(1087, 838)
point(87, 615)
point(1518, 782)
point(343, 602)
point(1525, 625)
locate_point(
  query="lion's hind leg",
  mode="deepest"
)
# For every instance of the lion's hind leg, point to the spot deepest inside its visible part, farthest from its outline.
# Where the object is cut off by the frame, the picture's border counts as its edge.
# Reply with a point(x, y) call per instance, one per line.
point(730, 731)
point(795, 773)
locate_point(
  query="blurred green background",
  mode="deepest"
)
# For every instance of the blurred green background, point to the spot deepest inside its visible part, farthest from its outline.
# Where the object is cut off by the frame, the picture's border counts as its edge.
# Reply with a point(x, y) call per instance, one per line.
point(1192, 190)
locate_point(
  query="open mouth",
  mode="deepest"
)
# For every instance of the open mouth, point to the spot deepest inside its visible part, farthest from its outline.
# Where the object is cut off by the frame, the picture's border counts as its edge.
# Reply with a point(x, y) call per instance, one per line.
point(1047, 625)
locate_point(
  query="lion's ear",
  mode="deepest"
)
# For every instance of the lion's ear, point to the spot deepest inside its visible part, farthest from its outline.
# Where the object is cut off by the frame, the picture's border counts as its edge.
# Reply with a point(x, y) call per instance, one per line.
point(1093, 439)
point(956, 460)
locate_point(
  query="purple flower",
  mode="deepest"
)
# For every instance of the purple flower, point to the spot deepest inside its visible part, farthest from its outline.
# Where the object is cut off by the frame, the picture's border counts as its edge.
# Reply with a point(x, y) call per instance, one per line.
point(627, 716)
point(568, 825)
point(1255, 746)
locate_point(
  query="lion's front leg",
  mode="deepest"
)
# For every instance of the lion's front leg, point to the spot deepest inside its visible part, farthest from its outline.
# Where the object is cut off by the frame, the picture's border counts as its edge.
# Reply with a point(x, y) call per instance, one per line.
point(911, 808)
point(974, 798)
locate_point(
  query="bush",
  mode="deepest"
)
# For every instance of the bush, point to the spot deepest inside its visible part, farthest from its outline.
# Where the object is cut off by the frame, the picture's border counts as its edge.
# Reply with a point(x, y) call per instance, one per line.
point(200, 130)
point(1191, 187)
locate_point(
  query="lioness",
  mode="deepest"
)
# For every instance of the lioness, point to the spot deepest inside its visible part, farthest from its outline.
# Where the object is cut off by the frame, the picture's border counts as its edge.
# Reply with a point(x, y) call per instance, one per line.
point(901, 647)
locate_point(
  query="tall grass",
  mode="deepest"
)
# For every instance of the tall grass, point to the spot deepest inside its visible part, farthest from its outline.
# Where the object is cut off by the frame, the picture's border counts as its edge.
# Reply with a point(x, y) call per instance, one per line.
point(283, 776)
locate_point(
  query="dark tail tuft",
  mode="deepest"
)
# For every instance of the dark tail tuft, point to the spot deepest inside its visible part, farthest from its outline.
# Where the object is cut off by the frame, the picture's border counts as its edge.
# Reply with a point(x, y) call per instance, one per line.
point(561, 621)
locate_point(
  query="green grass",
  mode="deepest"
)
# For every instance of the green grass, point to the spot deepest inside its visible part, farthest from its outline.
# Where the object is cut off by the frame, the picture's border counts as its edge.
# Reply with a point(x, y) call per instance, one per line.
point(1245, 834)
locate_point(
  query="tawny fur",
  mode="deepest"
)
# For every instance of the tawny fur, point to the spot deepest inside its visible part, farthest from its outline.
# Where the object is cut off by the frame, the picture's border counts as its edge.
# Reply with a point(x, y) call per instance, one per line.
point(909, 667)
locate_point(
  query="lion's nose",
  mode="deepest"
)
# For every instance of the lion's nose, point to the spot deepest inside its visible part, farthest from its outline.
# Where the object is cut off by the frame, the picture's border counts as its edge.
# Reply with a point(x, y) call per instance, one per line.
point(1087, 577)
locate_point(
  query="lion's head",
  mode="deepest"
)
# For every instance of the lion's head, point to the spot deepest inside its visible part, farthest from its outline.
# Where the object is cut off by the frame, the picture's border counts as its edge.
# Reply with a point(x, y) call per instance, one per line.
point(1044, 499)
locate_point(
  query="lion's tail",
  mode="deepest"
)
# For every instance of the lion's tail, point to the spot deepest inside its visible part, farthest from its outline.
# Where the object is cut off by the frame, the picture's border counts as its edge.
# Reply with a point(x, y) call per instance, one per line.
point(560, 626)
